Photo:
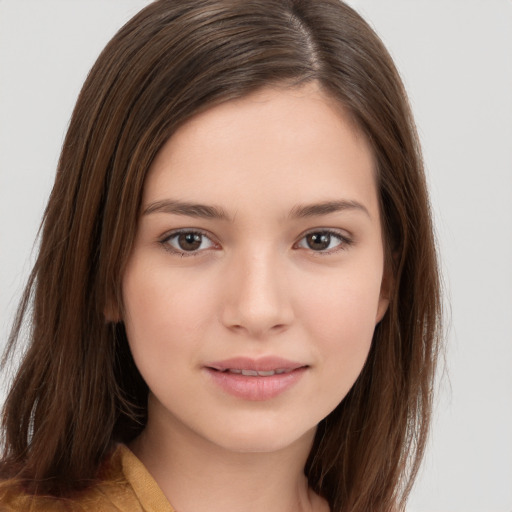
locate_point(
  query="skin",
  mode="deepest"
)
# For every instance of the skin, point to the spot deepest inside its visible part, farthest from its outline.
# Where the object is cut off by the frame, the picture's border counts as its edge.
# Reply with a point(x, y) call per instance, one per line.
point(253, 288)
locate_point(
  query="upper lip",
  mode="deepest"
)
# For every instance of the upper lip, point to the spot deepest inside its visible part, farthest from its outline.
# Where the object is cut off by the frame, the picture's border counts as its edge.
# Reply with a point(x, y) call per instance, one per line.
point(262, 364)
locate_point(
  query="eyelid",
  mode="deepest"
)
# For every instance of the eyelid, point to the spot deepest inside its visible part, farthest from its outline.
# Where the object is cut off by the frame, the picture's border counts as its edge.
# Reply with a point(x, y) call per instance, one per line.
point(164, 239)
point(346, 240)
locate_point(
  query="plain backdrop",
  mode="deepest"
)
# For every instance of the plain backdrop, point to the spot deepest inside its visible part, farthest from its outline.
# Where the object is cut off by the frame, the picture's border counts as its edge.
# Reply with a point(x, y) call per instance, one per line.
point(455, 57)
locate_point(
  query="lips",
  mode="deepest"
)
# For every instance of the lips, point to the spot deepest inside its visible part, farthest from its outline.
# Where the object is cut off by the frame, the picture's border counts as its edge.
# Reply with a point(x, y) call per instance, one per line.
point(257, 373)
point(255, 379)
point(263, 364)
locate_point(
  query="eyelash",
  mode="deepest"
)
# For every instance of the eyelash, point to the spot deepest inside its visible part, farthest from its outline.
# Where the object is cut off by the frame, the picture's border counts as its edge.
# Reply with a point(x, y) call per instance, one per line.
point(344, 242)
point(183, 253)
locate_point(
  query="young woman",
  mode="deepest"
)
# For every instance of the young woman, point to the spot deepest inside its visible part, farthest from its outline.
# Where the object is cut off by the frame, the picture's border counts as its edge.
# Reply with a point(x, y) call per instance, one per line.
point(236, 299)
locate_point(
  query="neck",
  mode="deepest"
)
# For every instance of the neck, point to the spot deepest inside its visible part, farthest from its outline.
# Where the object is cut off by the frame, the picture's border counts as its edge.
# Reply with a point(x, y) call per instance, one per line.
point(197, 475)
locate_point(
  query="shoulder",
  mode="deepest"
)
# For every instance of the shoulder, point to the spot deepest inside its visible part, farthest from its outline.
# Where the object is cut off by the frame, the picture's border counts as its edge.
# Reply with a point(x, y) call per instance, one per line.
point(112, 493)
point(13, 498)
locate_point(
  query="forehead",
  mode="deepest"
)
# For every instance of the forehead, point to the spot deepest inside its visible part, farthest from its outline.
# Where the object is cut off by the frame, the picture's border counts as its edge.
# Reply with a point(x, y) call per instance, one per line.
point(275, 147)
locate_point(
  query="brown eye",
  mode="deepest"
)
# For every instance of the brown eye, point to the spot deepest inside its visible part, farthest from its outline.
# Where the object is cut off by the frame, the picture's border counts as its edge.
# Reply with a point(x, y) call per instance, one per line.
point(318, 241)
point(189, 242)
point(323, 241)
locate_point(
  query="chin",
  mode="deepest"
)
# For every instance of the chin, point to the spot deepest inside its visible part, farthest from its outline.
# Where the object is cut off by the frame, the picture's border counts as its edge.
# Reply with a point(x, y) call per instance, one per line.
point(265, 439)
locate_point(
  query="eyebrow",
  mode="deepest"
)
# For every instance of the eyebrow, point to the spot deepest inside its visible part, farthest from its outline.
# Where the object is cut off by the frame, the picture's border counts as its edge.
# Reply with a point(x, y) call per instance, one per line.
point(184, 208)
point(214, 212)
point(327, 207)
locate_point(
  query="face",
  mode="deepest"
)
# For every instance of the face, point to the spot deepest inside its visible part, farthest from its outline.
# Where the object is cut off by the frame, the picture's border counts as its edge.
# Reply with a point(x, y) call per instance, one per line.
point(254, 285)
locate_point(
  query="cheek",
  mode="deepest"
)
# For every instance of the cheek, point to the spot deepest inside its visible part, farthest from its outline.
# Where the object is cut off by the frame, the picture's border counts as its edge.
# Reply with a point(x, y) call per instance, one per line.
point(346, 303)
point(164, 312)
point(157, 298)
point(341, 317)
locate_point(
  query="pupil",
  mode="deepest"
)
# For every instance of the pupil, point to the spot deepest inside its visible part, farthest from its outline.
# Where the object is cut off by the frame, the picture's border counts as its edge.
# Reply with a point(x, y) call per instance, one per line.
point(189, 241)
point(318, 241)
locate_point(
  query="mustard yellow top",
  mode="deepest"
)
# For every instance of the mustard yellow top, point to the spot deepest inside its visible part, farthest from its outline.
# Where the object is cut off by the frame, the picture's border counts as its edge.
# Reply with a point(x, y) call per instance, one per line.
point(128, 487)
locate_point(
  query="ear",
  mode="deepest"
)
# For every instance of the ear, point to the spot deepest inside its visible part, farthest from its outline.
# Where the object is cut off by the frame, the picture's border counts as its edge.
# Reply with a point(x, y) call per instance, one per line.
point(386, 289)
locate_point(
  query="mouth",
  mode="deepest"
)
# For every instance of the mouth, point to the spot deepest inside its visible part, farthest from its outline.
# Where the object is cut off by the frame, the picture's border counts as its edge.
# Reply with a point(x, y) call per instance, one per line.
point(261, 367)
point(254, 373)
point(256, 379)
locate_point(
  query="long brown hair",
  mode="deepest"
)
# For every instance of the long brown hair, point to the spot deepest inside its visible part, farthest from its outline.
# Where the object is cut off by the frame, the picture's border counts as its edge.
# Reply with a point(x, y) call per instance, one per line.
point(77, 390)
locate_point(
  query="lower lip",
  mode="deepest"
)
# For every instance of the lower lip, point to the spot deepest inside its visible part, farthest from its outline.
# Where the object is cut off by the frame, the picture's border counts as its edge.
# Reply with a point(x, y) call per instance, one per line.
point(255, 388)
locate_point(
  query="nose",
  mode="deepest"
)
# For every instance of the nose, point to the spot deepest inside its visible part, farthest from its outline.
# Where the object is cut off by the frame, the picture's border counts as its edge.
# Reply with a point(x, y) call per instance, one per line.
point(257, 298)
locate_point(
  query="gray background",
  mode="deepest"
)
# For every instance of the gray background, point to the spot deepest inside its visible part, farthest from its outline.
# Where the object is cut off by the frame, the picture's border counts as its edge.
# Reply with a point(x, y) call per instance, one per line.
point(456, 60)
